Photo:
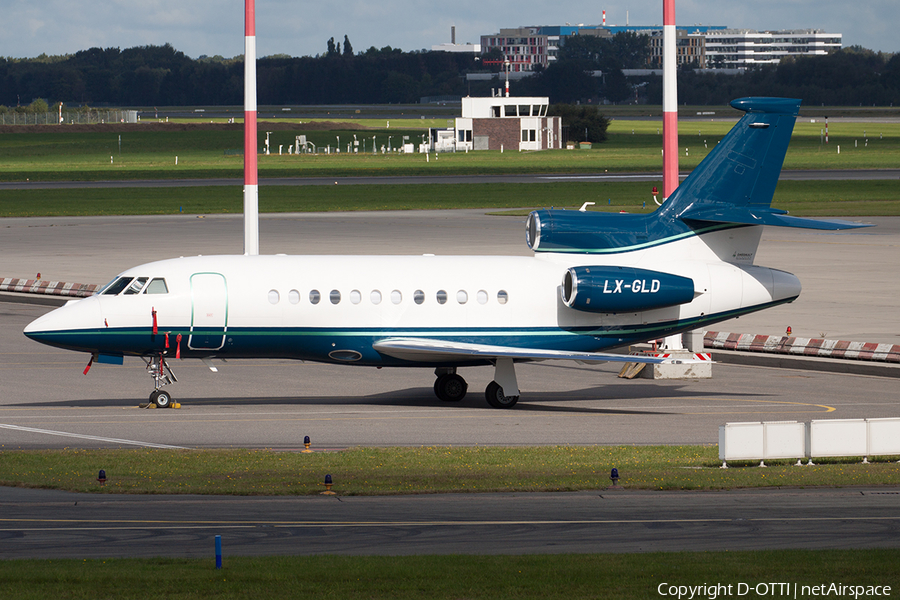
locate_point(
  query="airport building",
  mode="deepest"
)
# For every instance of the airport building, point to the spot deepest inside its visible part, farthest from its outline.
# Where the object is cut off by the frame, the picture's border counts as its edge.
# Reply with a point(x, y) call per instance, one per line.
point(501, 123)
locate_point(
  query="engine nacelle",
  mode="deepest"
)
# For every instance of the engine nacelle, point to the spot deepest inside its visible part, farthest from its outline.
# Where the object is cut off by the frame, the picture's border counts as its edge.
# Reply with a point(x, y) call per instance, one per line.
point(623, 289)
point(577, 231)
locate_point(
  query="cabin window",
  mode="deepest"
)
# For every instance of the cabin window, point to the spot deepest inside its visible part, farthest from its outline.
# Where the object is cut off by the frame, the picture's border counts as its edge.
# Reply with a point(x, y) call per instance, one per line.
point(116, 286)
point(274, 296)
point(418, 296)
point(502, 297)
point(462, 297)
point(375, 297)
point(396, 297)
point(294, 297)
point(482, 297)
point(157, 286)
point(136, 286)
point(314, 297)
point(335, 297)
point(355, 297)
point(441, 297)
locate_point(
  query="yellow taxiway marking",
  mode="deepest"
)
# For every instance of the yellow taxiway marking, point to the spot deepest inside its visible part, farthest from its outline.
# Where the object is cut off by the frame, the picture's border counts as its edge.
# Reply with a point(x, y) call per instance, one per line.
point(828, 409)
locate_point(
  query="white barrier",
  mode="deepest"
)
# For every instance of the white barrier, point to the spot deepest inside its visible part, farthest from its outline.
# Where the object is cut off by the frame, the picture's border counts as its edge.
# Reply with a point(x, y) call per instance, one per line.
point(762, 441)
point(884, 437)
point(822, 438)
point(741, 441)
point(837, 437)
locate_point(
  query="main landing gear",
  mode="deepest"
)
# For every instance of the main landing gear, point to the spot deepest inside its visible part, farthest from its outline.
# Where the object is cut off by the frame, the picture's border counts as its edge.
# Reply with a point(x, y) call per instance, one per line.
point(503, 392)
point(162, 374)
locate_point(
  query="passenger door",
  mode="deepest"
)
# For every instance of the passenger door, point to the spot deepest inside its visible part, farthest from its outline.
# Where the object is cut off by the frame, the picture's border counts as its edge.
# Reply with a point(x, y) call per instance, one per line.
point(209, 311)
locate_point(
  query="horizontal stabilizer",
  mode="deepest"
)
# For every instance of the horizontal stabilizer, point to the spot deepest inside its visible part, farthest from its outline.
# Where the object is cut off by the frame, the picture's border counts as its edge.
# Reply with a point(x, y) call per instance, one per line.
point(429, 350)
point(763, 216)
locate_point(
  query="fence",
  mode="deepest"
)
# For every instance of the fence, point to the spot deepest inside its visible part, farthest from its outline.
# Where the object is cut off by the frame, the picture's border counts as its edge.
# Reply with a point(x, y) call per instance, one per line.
point(822, 438)
point(77, 117)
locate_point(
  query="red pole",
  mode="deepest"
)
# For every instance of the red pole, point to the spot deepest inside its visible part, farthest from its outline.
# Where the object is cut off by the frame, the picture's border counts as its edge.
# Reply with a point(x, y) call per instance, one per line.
point(670, 102)
point(251, 183)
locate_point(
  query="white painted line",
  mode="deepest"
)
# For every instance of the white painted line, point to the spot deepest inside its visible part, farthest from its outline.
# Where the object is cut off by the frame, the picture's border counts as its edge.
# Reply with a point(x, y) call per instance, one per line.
point(91, 437)
point(601, 177)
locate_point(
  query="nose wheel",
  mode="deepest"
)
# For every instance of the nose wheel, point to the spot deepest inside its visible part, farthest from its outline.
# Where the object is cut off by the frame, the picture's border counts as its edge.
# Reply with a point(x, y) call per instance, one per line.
point(161, 399)
point(162, 374)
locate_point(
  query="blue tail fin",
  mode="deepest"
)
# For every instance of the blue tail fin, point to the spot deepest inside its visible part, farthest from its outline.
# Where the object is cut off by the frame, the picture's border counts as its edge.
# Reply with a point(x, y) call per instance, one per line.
point(736, 181)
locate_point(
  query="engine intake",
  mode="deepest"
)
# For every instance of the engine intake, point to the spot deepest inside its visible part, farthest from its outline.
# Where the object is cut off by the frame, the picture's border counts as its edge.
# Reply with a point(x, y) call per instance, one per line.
point(623, 289)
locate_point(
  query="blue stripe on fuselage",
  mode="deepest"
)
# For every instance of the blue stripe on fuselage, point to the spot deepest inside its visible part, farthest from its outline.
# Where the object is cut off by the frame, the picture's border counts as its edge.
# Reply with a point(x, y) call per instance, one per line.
point(315, 343)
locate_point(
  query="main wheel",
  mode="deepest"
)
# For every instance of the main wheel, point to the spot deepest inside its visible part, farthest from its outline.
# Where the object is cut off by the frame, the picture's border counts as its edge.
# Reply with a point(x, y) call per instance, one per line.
point(161, 399)
point(496, 398)
point(450, 387)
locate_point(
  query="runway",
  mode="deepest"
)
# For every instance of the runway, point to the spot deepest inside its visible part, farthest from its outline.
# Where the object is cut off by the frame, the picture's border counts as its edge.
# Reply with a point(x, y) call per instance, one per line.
point(44, 524)
point(45, 402)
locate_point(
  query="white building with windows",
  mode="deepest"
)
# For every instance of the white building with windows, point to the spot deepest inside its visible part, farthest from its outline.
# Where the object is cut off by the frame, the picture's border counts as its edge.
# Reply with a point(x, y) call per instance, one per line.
point(737, 48)
point(510, 123)
point(501, 123)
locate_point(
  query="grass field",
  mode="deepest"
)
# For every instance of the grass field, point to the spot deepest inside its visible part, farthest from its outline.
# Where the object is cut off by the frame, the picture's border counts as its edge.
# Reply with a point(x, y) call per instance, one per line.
point(801, 198)
point(548, 577)
point(147, 154)
point(438, 469)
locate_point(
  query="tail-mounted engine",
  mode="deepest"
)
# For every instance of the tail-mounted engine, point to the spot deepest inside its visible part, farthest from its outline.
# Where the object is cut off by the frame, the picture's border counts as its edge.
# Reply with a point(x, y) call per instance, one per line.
point(623, 289)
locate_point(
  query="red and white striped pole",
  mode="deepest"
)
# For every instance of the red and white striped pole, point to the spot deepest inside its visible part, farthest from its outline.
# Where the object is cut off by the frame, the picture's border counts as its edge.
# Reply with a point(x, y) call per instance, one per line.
point(670, 102)
point(251, 181)
point(670, 123)
point(604, 18)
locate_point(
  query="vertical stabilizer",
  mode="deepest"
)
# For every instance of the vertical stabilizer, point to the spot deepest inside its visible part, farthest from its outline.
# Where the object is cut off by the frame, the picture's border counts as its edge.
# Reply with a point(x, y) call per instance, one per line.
point(736, 181)
point(743, 169)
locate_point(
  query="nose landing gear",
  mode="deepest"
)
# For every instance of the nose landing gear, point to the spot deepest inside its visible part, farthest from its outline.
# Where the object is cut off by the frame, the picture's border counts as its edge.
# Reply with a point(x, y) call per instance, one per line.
point(162, 374)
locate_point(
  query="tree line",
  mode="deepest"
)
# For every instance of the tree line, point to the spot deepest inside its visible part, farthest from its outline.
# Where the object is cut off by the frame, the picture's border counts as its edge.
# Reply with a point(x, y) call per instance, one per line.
point(163, 76)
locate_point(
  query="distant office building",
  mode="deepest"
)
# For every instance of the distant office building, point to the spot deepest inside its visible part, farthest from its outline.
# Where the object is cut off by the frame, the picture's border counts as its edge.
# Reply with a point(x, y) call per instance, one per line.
point(731, 48)
point(690, 48)
point(466, 48)
point(705, 45)
point(462, 48)
point(524, 47)
point(527, 47)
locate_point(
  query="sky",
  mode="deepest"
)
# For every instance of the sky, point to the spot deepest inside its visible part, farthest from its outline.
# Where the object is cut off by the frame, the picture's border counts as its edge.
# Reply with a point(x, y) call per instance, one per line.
point(302, 28)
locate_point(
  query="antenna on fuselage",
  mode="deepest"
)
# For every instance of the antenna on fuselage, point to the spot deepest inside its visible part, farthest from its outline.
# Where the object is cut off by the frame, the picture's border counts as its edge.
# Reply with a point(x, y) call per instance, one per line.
point(251, 181)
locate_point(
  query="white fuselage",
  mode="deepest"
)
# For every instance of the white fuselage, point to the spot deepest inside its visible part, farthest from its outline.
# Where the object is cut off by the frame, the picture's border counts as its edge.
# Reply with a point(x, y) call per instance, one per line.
point(333, 308)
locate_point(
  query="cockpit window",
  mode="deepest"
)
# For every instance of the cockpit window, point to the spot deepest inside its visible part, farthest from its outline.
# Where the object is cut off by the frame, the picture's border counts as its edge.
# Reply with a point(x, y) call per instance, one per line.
point(116, 286)
point(136, 286)
point(157, 286)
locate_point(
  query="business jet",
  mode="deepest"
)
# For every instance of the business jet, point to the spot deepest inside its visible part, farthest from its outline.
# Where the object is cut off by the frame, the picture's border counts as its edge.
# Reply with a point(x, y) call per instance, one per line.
point(597, 281)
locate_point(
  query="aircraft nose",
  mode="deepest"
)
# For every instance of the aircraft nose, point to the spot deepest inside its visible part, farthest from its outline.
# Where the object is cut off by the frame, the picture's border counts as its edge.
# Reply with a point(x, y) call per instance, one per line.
point(60, 327)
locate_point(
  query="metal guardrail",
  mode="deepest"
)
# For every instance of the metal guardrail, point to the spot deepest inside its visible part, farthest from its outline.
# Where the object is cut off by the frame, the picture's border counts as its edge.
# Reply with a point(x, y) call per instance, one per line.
point(77, 117)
